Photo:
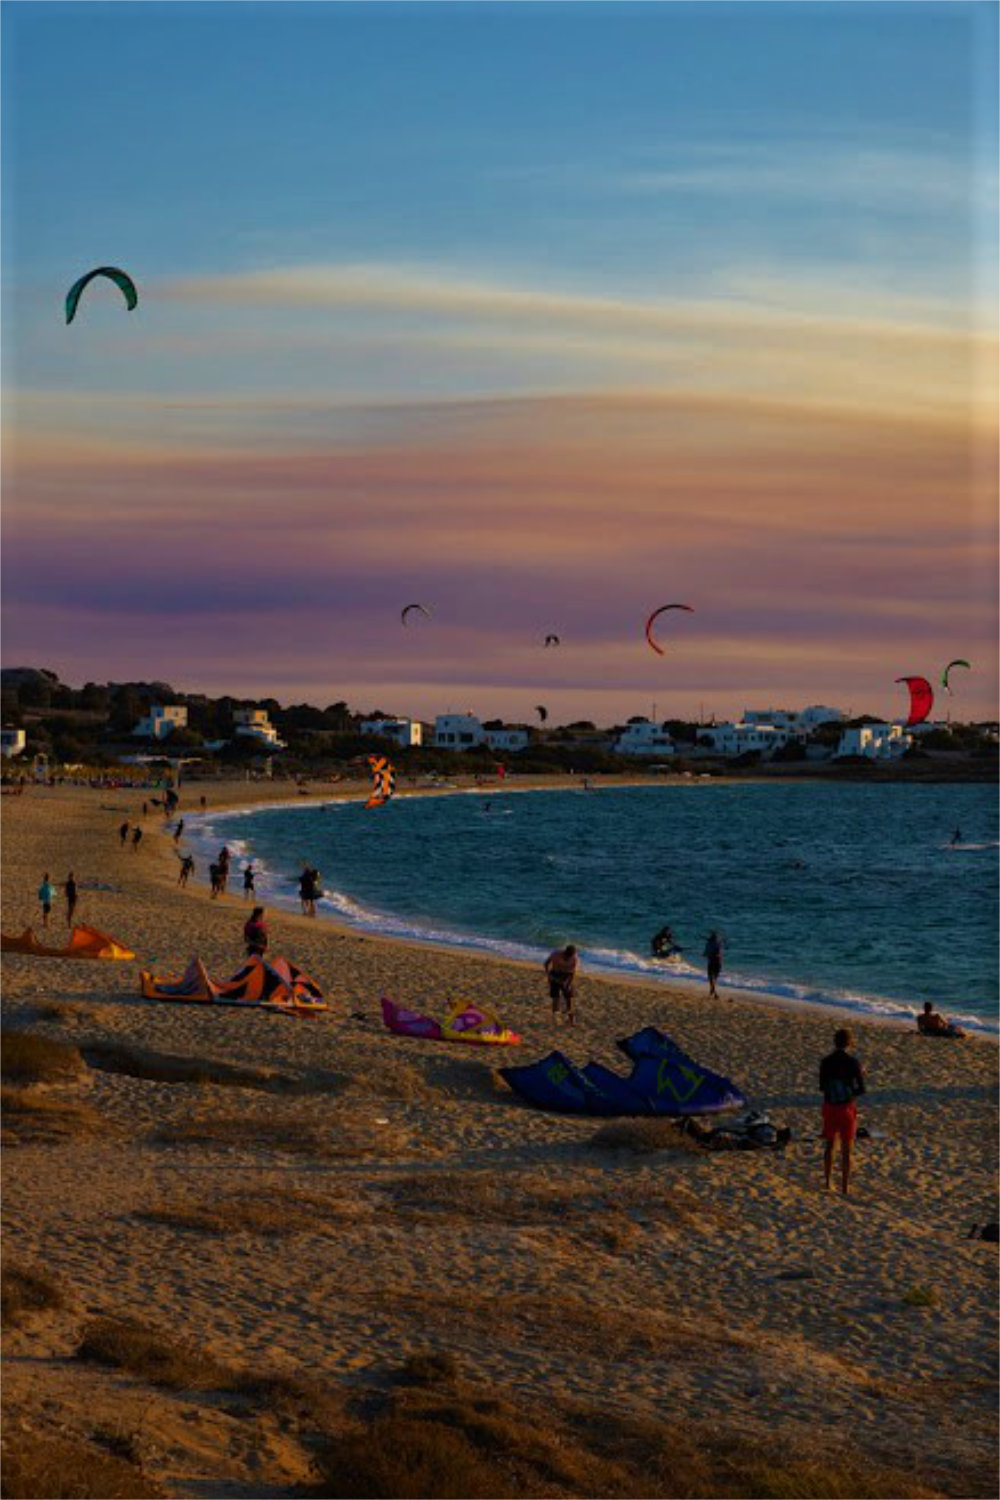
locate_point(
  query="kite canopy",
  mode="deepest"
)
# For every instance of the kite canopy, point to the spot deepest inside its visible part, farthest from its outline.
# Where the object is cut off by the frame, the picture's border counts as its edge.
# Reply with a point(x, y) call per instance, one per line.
point(655, 616)
point(541, 711)
point(921, 699)
point(464, 1023)
point(409, 607)
point(958, 662)
point(121, 280)
point(261, 984)
point(383, 781)
point(552, 640)
point(663, 1081)
point(85, 942)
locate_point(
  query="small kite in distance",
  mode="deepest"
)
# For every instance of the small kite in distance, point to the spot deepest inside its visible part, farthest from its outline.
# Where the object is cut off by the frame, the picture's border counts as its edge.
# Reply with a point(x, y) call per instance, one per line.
point(921, 699)
point(958, 662)
point(541, 711)
point(403, 613)
point(654, 616)
point(121, 280)
point(552, 640)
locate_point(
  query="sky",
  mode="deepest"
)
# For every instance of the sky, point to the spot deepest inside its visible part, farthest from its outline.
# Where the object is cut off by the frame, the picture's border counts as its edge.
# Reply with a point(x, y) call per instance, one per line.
point(542, 315)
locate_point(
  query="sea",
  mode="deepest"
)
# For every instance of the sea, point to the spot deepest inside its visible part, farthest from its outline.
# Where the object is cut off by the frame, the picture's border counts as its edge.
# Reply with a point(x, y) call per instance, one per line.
point(871, 899)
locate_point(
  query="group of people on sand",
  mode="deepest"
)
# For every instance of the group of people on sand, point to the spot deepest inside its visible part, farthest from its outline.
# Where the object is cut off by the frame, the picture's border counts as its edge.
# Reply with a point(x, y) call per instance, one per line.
point(47, 896)
point(136, 832)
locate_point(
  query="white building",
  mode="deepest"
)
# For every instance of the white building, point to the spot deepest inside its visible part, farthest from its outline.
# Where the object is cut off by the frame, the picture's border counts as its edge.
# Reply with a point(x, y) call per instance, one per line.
point(512, 737)
point(875, 741)
point(458, 732)
point(738, 739)
point(403, 731)
point(644, 738)
point(161, 721)
point(818, 713)
point(799, 721)
point(12, 742)
point(254, 724)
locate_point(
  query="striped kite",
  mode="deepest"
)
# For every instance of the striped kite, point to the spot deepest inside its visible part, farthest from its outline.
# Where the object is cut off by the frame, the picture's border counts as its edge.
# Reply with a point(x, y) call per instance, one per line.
point(383, 781)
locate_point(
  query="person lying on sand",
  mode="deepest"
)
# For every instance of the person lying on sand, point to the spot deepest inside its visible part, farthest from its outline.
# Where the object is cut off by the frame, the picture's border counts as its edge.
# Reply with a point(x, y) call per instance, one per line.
point(931, 1023)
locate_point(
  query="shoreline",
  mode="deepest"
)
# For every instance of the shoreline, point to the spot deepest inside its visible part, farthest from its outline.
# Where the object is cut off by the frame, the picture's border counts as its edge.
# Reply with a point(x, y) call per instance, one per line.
point(875, 1009)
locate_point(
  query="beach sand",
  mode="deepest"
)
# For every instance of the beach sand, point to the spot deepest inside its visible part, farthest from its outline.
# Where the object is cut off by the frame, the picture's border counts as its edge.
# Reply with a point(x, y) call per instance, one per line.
point(724, 1295)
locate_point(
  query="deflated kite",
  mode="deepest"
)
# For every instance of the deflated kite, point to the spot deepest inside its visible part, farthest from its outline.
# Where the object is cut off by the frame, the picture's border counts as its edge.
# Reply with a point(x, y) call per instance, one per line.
point(921, 699)
point(383, 781)
point(121, 280)
point(409, 608)
point(655, 616)
point(464, 1023)
point(261, 984)
point(84, 942)
point(958, 662)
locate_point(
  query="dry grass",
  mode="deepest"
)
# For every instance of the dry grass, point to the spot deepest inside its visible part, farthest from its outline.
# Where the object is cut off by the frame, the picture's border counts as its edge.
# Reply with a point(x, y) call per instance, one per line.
point(643, 1137)
point(29, 1118)
point(446, 1439)
point(270, 1213)
point(299, 1135)
point(39, 1467)
point(23, 1292)
point(27, 1058)
point(395, 1079)
point(153, 1356)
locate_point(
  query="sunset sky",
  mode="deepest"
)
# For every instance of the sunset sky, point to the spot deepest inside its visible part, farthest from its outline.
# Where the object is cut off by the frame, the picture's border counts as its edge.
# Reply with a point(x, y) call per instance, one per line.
point(542, 315)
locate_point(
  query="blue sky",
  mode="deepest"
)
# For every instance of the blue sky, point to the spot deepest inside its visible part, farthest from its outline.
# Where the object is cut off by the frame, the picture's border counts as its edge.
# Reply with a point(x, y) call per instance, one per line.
point(352, 223)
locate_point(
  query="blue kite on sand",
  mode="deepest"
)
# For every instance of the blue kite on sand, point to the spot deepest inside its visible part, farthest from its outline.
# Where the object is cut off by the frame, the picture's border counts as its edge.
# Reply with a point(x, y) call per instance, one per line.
point(663, 1081)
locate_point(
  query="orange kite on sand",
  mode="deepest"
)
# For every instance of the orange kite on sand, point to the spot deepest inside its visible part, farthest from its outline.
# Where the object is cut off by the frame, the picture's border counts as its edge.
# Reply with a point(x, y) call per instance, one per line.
point(85, 942)
point(261, 984)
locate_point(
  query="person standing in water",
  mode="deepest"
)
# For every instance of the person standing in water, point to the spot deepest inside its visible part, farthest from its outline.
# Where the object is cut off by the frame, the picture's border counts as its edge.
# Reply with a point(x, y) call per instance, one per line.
point(561, 969)
point(956, 837)
point(841, 1080)
point(713, 954)
point(46, 895)
point(187, 869)
point(178, 830)
point(72, 896)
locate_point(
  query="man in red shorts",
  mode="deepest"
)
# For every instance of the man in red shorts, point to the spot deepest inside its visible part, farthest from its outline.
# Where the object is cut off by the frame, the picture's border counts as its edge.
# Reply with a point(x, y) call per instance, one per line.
point(841, 1079)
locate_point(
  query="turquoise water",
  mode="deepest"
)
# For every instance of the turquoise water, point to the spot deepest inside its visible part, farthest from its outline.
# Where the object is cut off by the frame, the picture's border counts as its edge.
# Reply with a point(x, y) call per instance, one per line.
point(832, 893)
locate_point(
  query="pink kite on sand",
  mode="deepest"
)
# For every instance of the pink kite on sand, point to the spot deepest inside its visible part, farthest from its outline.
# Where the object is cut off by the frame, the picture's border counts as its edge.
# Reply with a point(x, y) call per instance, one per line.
point(465, 1023)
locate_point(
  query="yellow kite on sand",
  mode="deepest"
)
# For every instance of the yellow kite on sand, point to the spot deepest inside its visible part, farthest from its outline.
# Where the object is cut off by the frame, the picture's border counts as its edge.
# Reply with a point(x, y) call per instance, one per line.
point(85, 942)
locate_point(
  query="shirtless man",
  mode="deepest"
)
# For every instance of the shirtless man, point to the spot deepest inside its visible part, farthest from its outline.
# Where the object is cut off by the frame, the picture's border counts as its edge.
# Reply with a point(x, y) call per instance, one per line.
point(560, 968)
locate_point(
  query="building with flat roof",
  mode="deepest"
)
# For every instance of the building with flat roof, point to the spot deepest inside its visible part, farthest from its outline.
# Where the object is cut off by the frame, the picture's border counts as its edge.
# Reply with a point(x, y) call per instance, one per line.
point(161, 721)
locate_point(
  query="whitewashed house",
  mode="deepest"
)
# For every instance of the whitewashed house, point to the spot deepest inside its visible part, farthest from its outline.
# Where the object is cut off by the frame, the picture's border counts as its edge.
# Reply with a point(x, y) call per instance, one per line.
point(161, 721)
point(512, 737)
point(875, 741)
point(458, 732)
point(739, 739)
point(12, 742)
point(254, 724)
point(643, 737)
point(403, 731)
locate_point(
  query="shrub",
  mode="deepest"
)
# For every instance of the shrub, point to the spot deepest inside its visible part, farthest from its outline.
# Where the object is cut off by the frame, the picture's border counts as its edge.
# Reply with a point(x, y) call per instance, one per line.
point(39, 1467)
point(27, 1058)
point(23, 1292)
point(126, 1344)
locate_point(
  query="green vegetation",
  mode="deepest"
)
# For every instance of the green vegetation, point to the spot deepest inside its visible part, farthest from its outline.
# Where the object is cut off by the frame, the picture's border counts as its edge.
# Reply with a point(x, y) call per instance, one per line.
point(24, 1291)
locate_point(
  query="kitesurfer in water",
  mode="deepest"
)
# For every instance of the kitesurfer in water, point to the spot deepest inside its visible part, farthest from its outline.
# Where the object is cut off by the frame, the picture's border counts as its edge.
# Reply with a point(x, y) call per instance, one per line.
point(956, 837)
point(664, 944)
point(560, 969)
point(713, 953)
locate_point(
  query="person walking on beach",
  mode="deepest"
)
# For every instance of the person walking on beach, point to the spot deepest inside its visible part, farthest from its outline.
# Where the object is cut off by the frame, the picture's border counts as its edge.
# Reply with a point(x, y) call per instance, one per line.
point(46, 895)
point(72, 896)
point(309, 891)
point(187, 869)
point(841, 1080)
point(215, 880)
point(223, 869)
point(560, 969)
point(178, 830)
point(123, 833)
point(713, 954)
point(136, 838)
point(249, 888)
point(255, 933)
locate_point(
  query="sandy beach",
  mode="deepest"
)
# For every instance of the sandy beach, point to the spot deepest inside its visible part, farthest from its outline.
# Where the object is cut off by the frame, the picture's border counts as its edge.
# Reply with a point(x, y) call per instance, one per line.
point(416, 1207)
